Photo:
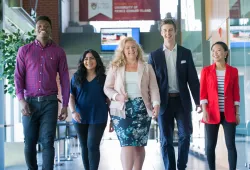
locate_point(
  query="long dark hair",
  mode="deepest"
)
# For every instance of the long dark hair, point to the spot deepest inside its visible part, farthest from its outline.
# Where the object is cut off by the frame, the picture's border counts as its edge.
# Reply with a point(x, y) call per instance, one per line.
point(224, 46)
point(81, 73)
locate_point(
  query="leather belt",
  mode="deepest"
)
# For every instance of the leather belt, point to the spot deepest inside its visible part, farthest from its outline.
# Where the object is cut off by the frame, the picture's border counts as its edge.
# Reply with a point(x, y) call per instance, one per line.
point(42, 98)
point(173, 94)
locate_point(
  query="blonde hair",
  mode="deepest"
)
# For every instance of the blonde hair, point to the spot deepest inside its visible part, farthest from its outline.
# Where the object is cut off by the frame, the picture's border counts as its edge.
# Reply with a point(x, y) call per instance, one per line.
point(119, 57)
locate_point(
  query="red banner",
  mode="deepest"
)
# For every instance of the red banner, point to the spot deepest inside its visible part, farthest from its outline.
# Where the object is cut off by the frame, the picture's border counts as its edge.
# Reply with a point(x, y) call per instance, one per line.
point(114, 10)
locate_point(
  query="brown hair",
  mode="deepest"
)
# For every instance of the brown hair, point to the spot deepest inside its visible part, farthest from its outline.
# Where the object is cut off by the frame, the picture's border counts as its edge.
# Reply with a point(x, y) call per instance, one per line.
point(168, 21)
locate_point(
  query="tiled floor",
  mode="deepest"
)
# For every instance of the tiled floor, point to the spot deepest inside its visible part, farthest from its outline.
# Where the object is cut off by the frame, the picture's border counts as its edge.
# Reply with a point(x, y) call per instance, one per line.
point(110, 157)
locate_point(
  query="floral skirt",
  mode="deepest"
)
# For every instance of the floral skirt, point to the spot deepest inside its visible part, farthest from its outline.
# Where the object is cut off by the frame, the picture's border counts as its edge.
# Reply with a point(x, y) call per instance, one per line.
point(133, 130)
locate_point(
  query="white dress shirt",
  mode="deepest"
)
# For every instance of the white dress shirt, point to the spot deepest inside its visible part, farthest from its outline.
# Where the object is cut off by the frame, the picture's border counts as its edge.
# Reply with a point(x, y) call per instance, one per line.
point(171, 57)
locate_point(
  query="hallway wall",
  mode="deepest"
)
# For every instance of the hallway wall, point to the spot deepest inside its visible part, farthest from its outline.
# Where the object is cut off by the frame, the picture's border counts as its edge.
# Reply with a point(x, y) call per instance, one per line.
point(49, 8)
point(217, 14)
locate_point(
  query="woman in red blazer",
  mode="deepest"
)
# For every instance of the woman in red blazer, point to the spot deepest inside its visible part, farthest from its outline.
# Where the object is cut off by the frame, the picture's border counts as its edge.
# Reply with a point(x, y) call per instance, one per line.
point(219, 95)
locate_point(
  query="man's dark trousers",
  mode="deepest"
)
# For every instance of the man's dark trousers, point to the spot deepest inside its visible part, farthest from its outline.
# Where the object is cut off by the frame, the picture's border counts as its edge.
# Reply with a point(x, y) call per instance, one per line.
point(41, 124)
point(166, 122)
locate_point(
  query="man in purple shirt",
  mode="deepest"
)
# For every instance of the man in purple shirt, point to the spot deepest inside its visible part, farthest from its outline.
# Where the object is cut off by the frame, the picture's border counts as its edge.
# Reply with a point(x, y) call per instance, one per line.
point(37, 65)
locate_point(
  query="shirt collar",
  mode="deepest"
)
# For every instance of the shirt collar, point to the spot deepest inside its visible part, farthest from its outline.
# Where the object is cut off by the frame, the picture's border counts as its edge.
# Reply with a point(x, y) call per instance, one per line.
point(47, 45)
point(165, 48)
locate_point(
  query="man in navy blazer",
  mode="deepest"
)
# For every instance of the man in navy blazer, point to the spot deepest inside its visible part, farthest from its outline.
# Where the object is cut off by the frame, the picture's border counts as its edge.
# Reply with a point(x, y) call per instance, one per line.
point(175, 71)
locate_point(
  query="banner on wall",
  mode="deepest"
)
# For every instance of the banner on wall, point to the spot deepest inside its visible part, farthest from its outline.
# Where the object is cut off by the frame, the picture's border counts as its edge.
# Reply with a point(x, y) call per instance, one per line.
point(114, 10)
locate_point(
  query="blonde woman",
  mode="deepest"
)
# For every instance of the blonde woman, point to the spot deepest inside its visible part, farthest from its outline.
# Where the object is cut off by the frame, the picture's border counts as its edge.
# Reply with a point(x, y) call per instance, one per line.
point(132, 88)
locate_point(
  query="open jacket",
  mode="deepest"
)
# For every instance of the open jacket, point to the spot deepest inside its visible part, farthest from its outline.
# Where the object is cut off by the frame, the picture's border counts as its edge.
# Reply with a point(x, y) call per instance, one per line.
point(209, 93)
point(115, 83)
point(186, 75)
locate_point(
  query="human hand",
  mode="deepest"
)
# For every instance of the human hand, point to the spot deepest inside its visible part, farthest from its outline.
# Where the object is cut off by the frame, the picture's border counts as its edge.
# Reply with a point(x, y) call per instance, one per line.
point(64, 114)
point(111, 127)
point(205, 116)
point(237, 119)
point(198, 109)
point(76, 116)
point(121, 97)
point(155, 111)
point(25, 109)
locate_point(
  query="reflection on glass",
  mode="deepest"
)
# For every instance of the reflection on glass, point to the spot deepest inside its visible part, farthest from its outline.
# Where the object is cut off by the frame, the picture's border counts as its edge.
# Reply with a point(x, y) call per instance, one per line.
point(191, 28)
point(191, 31)
point(8, 117)
point(240, 57)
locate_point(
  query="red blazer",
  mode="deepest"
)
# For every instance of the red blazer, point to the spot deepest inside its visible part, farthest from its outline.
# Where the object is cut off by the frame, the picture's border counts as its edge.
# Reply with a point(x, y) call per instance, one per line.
point(209, 92)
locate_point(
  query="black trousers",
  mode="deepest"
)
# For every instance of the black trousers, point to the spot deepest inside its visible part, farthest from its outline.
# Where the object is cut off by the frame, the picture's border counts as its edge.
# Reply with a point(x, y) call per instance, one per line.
point(212, 136)
point(90, 136)
point(40, 125)
point(175, 111)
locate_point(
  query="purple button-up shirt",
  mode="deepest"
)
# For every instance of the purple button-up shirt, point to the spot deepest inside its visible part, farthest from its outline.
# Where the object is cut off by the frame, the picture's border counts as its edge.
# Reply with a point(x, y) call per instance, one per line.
point(37, 68)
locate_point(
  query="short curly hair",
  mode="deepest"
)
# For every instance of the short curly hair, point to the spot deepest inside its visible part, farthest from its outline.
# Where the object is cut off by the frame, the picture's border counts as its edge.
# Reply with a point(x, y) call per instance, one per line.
point(44, 18)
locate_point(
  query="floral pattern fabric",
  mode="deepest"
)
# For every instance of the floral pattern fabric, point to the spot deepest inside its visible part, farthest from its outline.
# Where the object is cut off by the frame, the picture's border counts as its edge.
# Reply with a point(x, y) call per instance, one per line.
point(133, 130)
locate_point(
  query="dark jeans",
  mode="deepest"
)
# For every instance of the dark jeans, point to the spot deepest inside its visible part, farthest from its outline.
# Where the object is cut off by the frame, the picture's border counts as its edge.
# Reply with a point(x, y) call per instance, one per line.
point(166, 124)
point(40, 125)
point(90, 136)
point(212, 135)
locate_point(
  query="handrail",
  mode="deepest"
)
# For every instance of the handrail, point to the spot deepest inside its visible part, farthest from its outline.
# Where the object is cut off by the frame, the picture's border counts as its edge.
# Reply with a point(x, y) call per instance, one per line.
point(10, 125)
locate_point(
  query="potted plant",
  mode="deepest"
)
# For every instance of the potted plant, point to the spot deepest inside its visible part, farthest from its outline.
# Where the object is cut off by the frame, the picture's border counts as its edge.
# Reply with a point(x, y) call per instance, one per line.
point(9, 45)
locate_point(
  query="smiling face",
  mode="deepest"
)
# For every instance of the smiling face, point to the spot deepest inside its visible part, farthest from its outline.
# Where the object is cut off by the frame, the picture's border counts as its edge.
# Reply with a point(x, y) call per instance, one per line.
point(168, 33)
point(43, 29)
point(90, 62)
point(218, 53)
point(130, 50)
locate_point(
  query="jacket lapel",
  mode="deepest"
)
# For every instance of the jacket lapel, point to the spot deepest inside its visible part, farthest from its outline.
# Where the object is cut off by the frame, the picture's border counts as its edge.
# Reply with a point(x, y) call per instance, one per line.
point(214, 77)
point(140, 70)
point(161, 60)
point(227, 77)
point(178, 60)
point(122, 76)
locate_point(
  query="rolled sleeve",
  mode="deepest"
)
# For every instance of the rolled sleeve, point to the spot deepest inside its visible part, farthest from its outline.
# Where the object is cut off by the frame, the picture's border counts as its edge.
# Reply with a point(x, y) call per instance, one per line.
point(236, 89)
point(236, 103)
point(203, 86)
point(19, 74)
point(153, 86)
point(204, 101)
point(155, 103)
point(113, 97)
point(64, 79)
point(109, 84)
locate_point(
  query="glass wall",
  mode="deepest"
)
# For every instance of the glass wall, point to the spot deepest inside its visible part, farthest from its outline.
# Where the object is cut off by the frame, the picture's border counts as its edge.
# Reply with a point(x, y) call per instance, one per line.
point(191, 28)
point(2, 130)
point(239, 38)
point(191, 38)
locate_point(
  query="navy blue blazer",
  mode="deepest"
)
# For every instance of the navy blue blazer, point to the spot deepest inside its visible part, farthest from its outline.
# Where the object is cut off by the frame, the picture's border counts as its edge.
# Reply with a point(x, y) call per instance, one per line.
point(186, 73)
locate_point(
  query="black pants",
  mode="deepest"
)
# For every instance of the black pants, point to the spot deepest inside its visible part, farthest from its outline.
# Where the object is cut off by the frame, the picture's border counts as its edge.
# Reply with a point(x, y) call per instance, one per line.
point(212, 135)
point(90, 136)
point(40, 125)
point(175, 111)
